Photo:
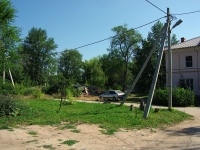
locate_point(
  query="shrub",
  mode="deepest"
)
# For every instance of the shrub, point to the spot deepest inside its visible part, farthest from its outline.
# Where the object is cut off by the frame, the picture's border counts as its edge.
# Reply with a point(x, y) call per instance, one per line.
point(197, 101)
point(9, 106)
point(7, 88)
point(37, 93)
point(180, 97)
point(69, 96)
point(161, 97)
point(183, 97)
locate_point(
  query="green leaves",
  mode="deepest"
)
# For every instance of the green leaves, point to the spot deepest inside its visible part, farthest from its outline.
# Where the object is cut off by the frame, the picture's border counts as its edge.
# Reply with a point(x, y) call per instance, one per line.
point(39, 58)
point(70, 65)
point(93, 73)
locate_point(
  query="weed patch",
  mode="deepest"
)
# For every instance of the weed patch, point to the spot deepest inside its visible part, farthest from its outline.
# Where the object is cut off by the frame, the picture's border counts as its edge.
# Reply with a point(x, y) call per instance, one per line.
point(49, 147)
point(70, 142)
point(32, 141)
point(33, 133)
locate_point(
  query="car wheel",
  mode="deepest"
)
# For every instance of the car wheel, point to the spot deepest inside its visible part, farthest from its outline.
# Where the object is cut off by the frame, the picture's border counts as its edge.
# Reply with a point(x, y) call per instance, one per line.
point(114, 99)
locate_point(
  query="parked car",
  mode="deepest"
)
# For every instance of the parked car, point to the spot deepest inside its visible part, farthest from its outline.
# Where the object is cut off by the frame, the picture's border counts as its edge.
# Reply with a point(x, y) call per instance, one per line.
point(112, 95)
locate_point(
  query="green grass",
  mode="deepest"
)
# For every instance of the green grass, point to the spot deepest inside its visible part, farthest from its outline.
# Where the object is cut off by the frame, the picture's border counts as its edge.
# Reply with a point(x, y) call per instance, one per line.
point(70, 142)
point(75, 131)
point(108, 132)
point(49, 147)
point(108, 116)
point(32, 133)
point(32, 141)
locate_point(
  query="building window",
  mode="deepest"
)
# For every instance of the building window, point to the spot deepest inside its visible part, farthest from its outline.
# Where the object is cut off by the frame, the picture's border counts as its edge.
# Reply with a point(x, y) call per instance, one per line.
point(189, 83)
point(188, 60)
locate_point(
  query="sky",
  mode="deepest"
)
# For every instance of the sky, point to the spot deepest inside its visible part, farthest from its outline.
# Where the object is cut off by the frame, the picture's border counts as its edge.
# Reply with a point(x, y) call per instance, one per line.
point(75, 23)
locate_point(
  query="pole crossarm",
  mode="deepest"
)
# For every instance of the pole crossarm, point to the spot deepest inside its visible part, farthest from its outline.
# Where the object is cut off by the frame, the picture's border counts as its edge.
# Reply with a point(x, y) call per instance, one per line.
point(163, 30)
point(155, 77)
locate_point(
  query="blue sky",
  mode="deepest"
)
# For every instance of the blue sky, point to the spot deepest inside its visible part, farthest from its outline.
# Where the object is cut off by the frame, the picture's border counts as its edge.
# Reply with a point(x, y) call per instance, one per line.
point(74, 23)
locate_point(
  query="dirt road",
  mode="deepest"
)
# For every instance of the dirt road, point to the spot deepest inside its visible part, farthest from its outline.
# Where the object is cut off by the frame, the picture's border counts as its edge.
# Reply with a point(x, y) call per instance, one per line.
point(185, 135)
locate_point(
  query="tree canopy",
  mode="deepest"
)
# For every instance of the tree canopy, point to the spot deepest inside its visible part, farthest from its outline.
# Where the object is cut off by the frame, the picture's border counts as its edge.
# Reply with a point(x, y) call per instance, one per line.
point(9, 39)
point(93, 73)
point(39, 56)
point(70, 65)
point(123, 45)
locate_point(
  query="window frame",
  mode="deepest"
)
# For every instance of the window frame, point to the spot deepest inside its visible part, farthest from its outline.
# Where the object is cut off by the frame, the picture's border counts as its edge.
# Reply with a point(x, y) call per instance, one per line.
point(188, 63)
point(189, 83)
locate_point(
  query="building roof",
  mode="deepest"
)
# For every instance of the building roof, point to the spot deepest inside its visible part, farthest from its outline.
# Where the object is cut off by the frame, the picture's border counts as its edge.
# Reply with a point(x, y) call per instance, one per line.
point(188, 43)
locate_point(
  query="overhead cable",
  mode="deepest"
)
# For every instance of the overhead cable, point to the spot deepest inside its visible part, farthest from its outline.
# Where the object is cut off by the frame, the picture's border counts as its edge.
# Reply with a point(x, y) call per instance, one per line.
point(115, 35)
point(156, 6)
point(188, 13)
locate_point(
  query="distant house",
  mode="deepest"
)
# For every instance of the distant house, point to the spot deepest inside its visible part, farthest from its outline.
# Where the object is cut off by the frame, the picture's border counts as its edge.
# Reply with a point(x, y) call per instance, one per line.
point(185, 63)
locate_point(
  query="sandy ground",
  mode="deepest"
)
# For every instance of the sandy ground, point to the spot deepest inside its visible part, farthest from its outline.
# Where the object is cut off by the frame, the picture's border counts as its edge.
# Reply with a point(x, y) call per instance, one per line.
point(185, 135)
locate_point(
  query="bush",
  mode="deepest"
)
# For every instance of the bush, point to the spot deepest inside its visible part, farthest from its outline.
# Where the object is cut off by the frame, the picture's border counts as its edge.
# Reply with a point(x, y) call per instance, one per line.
point(7, 88)
point(183, 97)
point(37, 93)
point(180, 97)
point(160, 97)
point(70, 97)
point(9, 106)
point(197, 101)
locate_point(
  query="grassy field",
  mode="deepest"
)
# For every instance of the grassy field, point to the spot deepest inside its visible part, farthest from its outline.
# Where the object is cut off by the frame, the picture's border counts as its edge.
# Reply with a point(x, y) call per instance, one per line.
point(108, 116)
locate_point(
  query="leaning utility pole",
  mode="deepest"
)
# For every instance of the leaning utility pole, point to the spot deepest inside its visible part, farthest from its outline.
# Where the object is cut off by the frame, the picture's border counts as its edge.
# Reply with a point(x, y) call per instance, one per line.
point(155, 77)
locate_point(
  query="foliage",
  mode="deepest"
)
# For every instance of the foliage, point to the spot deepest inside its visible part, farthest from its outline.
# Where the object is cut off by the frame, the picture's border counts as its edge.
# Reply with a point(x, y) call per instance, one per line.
point(183, 97)
point(70, 65)
point(70, 142)
point(180, 97)
point(182, 83)
point(37, 93)
point(39, 58)
point(108, 116)
point(69, 96)
point(55, 84)
point(73, 91)
point(7, 88)
point(9, 40)
point(142, 53)
point(144, 83)
point(160, 97)
point(93, 73)
point(197, 101)
point(113, 70)
point(123, 45)
point(10, 106)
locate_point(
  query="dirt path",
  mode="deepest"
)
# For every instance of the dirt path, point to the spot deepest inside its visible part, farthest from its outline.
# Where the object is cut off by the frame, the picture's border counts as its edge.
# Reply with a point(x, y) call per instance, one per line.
point(185, 135)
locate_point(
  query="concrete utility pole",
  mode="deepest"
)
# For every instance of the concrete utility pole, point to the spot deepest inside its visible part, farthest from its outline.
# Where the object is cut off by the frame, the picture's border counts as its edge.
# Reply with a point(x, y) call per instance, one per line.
point(155, 77)
point(169, 62)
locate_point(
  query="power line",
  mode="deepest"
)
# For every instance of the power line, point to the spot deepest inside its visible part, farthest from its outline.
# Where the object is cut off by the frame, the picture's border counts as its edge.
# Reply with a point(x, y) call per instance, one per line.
point(115, 35)
point(188, 13)
point(156, 6)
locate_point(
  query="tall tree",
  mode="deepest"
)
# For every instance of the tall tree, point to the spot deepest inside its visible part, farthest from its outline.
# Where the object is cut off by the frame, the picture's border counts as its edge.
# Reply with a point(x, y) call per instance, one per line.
point(39, 56)
point(70, 65)
point(93, 73)
point(123, 45)
point(9, 39)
